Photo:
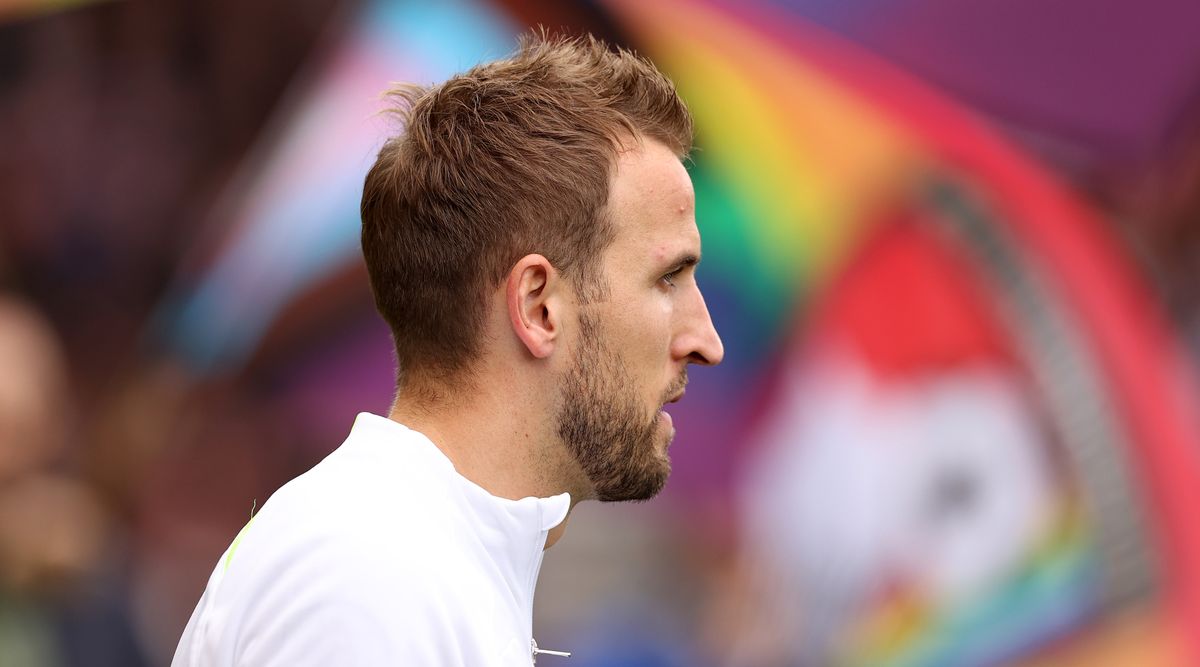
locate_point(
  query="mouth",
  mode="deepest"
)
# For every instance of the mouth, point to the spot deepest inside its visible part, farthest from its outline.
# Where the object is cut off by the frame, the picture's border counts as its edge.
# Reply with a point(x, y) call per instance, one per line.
point(662, 411)
point(673, 394)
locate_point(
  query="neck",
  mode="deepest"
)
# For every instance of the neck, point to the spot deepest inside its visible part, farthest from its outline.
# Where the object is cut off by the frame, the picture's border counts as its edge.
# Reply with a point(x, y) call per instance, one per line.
point(498, 439)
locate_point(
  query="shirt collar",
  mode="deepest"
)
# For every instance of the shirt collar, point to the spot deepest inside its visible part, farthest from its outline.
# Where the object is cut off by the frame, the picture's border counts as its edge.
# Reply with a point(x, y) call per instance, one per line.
point(542, 514)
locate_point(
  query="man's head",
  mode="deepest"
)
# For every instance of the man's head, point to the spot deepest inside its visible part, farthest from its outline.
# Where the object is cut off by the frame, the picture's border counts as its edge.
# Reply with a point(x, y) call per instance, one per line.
point(509, 158)
point(536, 211)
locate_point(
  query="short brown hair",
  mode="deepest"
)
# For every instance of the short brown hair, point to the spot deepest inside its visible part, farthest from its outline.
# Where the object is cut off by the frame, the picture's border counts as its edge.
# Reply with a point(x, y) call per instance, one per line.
point(509, 158)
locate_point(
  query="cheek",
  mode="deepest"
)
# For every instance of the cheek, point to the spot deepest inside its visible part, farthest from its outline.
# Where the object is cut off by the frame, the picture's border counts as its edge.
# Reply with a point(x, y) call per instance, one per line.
point(650, 330)
point(641, 325)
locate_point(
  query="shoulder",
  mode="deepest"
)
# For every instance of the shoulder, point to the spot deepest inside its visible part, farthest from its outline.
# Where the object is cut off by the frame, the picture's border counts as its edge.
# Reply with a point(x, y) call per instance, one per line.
point(369, 557)
point(334, 581)
point(351, 520)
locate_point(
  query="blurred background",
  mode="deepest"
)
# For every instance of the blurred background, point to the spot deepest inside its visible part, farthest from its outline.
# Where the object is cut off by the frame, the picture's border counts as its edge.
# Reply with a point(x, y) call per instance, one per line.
point(953, 250)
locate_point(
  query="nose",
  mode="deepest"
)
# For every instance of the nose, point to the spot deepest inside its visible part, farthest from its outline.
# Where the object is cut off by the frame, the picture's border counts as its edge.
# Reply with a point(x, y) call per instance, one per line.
point(698, 341)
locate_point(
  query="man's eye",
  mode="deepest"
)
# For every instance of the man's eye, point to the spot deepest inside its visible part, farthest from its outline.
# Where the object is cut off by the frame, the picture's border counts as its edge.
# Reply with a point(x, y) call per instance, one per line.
point(670, 277)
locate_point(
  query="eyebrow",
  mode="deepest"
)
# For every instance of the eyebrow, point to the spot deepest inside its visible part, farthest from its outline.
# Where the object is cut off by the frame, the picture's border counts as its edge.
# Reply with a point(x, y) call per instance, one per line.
point(684, 260)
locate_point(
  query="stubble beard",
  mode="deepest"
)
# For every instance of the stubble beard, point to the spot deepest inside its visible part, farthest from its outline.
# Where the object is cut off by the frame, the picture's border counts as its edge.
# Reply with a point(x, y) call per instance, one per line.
point(600, 421)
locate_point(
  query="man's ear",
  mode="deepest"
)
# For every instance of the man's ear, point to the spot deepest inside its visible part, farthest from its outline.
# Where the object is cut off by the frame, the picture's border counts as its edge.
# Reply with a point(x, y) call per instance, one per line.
point(532, 295)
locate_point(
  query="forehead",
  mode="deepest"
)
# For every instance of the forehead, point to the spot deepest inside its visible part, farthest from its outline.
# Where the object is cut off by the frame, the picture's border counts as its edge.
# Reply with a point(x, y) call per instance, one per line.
point(651, 201)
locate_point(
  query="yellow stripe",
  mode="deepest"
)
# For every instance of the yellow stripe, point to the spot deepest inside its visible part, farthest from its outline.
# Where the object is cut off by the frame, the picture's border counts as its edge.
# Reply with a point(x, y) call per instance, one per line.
point(236, 541)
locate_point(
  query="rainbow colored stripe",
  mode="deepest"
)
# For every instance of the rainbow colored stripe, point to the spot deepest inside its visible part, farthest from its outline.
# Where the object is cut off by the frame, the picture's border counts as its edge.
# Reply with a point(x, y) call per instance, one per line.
point(792, 148)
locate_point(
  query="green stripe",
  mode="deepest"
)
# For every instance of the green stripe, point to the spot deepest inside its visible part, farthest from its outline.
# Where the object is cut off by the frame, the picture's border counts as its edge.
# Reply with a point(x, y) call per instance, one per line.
point(236, 541)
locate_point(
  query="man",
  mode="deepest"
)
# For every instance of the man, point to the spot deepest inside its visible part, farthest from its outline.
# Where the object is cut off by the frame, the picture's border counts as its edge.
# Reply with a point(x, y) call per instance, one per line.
point(531, 241)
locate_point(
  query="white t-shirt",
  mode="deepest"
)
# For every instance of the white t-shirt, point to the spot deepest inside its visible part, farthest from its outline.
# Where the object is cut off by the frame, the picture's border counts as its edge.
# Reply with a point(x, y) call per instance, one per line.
point(382, 554)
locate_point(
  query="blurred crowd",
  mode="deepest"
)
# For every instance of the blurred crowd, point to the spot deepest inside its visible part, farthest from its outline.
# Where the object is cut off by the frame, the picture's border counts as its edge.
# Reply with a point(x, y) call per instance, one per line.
point(121, 474)
point(120, 122)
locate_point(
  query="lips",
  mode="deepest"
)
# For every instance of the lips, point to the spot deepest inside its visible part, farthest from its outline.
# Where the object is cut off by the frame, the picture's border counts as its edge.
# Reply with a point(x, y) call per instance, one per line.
point(666, 415)
point(673, 394)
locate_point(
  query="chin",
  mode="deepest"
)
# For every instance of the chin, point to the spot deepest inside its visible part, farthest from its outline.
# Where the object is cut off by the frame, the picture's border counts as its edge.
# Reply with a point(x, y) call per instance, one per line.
point(641, 485)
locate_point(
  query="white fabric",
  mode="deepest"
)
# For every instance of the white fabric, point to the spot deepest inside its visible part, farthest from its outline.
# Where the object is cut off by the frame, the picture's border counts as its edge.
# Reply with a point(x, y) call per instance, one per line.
point(382, 554)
